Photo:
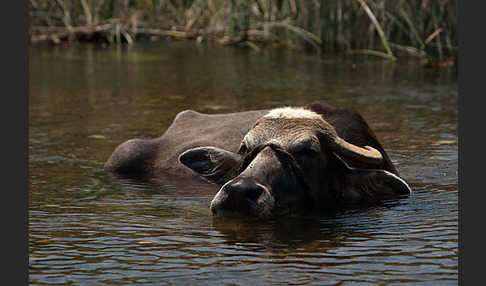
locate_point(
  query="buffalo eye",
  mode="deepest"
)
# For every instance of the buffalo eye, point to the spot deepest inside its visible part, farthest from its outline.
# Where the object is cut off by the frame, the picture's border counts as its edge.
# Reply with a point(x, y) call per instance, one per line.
point(243, 149)
point(306, 153)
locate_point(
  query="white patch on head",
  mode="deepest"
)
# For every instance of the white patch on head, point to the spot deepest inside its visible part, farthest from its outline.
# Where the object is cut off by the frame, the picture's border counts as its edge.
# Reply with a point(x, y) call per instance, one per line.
point(292, 112)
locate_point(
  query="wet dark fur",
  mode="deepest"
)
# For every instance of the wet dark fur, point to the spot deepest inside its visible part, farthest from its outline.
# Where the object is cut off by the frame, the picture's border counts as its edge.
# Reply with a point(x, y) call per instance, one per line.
point(158, 157)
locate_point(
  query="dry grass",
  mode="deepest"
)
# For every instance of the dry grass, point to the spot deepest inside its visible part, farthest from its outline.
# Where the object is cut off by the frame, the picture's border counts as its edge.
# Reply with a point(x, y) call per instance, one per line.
point(393, 28)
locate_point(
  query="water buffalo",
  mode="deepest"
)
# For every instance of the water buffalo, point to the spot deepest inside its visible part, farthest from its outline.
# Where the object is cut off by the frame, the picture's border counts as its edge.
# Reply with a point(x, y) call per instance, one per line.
point(269, 162)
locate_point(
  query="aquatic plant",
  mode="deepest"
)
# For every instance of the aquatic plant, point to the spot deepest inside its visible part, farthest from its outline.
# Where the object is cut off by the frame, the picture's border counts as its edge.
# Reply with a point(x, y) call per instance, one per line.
point(420, 28)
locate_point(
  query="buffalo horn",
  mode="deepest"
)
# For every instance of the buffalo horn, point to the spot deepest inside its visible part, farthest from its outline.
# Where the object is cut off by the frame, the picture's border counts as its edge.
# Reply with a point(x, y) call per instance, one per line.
point(366, 154)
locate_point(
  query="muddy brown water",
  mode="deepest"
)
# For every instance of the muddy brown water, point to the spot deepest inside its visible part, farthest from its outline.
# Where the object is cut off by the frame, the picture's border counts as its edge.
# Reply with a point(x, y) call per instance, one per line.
point(85, 228)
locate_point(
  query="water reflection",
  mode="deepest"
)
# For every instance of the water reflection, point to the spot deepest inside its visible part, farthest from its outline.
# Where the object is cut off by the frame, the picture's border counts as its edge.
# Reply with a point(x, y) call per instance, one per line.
point(86, 227)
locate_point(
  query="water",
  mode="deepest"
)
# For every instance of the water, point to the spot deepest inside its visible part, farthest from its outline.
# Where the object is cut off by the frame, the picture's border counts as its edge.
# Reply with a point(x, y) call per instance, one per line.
point(87, 229)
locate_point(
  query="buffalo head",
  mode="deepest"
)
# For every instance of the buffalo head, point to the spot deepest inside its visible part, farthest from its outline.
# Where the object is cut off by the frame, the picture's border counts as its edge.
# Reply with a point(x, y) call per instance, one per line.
point(291, 159)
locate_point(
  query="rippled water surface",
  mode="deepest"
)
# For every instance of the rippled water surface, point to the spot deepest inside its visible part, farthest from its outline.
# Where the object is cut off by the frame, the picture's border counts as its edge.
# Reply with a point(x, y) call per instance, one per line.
point(87, 229)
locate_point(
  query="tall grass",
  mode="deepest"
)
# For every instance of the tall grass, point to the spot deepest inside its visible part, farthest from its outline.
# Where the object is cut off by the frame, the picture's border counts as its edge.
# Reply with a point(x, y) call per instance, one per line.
point(392, 28)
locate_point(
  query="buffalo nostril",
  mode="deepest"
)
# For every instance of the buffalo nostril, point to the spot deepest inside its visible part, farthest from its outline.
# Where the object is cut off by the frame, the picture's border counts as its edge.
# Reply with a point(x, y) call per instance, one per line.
point(254, 193)
point(246, 189)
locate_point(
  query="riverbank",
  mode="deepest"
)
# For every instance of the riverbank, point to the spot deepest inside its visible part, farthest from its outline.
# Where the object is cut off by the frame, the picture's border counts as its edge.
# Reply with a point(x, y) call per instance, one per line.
point(389, 29)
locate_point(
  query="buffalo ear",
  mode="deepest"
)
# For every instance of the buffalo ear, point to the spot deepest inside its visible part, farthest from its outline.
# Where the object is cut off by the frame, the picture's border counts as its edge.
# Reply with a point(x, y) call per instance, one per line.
point(213, 164)
point(366, 185)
